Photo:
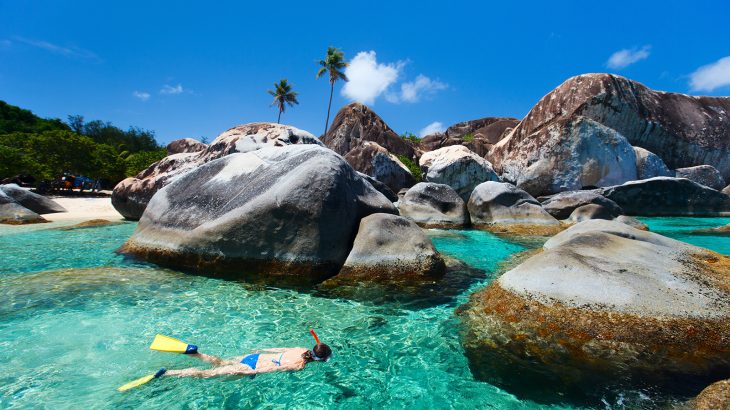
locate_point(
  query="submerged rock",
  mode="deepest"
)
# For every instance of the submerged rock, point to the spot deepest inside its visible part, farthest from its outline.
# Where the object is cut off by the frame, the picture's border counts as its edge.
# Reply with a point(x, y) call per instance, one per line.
point(130, 197)
point(502, 207)
point(719, 231)
point(284, 215)
point(457, 167)
point(603, 305)
point(374, 160)
point(702, 174)
point(563, 204)
point(433, 205)
point(392, 247)
point(714, 397)
point(34, 202)
point(93, 223)
point(665, 196)
point(649, 165)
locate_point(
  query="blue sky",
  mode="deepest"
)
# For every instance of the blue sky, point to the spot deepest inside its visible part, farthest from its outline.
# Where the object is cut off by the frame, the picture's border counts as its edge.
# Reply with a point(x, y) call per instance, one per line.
point(194, 69)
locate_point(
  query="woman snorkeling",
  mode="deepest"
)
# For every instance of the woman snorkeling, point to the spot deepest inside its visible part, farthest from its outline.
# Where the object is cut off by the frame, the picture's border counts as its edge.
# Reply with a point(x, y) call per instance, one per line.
point(260, 361)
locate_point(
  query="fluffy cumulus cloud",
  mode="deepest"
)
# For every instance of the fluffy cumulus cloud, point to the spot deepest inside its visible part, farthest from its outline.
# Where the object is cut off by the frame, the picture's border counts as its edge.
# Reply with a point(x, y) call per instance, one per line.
point(712, 76)
point(413, 91)
point(626, 57)
point(368, 78)
point(172, 89)
point(432, 128)
point(141, 95)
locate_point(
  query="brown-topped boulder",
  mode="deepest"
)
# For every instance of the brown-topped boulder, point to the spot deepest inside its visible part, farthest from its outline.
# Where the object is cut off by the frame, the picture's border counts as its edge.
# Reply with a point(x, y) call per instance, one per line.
point(477, 135)
point(665, 196)
point(714, 397)
point(705, 175)
point(130, 197)
point(185, 145)
point(373, 160)
point(355, 123)
point(278, 214)
point(602, 306)
point(682, 130)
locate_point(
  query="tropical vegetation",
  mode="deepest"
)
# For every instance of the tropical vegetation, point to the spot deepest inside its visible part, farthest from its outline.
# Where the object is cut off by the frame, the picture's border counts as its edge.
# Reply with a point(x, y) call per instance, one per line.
point(45, 148)
point(283, 96)
point(333, 64)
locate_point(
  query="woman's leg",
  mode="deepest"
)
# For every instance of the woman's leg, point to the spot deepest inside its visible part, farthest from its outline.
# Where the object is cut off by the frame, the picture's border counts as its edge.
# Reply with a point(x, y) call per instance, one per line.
point(215, 361)
point(229, 370)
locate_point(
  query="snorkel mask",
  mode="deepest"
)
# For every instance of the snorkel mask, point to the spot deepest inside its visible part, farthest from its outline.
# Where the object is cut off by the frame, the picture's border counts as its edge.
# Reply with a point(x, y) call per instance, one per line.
point(314, 355)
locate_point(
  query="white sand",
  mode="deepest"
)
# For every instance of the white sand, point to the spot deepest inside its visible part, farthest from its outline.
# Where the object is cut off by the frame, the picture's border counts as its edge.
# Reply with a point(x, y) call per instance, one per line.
point(84, 209)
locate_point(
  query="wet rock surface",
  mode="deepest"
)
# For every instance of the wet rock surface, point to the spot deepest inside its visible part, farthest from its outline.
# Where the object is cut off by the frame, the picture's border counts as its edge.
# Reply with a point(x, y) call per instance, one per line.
point(603, 305)
point(284, 215)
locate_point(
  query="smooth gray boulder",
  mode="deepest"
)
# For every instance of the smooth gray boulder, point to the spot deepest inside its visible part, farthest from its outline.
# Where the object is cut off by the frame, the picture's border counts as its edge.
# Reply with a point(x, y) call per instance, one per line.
point(571, 154)
point(130, 197)
point(374, 160)
point(602, 305)
point(563, 204)
point(390, 246)
point(34, 202)
point(433, 205)
point(632, 222)
point(705, 175)
point(591, 211)
point(504, 207)
point(665, 196)
point(12, 213)
point(649, 165)
point(380, 187)
point(457, 167)
point(726, 190)
point(278, 214)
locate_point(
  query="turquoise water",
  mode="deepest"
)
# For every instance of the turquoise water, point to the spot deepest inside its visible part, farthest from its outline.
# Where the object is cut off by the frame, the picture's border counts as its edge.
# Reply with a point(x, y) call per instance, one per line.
point(681, 229)
point(76, 321)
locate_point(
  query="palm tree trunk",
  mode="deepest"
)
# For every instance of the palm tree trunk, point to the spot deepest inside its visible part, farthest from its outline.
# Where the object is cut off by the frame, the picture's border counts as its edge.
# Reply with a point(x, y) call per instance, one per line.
point(278, 120)
point(332, 90)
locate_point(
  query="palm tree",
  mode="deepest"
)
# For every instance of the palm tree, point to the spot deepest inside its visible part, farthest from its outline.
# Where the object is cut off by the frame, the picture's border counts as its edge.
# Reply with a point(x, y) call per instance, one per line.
point(333, 63)
point(283, 95)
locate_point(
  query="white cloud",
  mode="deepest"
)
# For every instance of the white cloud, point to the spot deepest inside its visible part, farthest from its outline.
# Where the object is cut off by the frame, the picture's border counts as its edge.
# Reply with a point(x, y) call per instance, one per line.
point(711, 76)
point(626, 57)
point(74, 52)
point(414, 90)
point(368, 78)
point(169, 89)
point(141, 95)
point(432, 128)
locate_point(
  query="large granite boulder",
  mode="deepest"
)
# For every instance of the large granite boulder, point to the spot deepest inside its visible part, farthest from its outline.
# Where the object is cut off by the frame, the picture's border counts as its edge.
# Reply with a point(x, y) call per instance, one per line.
point(714, 397)
point(665, 196)
point(603, 305)
point(12, 213)
point(380, 187)
point(563, 204)
point(502, 207)
point(185, 146)
point(285, 215)
point(457, 167)
point(566, 155)
point(355, 123)
point(726, 190)
point(374, 160)
point(682, 130)
point(702, 174)
point(591, 211)
point(130, 197)
point(34, 202)
point(433, 205)
point(477, 135)
point(649, 165)
point(392, 247)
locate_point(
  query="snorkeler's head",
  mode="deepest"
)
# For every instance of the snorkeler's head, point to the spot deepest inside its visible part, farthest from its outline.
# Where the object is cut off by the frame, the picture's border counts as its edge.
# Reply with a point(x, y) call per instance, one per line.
point(320, 351)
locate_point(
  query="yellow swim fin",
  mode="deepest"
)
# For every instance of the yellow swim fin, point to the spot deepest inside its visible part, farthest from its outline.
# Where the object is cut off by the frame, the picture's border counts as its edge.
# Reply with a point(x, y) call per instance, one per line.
point(172, 345)
point(141, 380)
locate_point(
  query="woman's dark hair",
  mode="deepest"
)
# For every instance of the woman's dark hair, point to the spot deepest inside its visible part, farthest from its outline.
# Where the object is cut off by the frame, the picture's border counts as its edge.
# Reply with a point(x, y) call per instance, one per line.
point(320, 350)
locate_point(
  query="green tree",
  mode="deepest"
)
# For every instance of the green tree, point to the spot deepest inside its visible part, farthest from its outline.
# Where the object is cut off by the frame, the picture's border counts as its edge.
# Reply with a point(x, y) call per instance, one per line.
point(140, 161)
point(283, 95)
point(333, 64)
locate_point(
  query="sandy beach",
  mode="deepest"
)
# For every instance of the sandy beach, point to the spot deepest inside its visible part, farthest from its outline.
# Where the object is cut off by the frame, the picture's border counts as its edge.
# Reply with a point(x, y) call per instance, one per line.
point(84, 209)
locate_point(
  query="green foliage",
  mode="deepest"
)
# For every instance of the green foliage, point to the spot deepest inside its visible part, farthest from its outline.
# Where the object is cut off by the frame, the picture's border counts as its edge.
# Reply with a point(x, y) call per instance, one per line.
point(283, 95)
point(333, 63)
point(46, 148)
point(469, 137)
point(140, 161)
point(412, 166)
point(409, 136)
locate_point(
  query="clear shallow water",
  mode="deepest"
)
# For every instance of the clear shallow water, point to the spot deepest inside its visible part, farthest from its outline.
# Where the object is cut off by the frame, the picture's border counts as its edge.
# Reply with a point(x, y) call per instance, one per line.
point(681, 229)
point(76, 320)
